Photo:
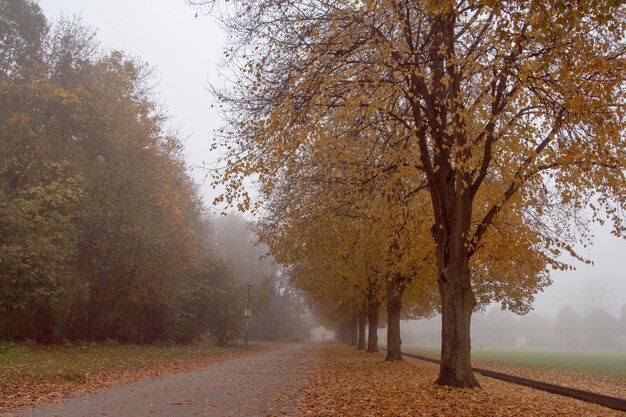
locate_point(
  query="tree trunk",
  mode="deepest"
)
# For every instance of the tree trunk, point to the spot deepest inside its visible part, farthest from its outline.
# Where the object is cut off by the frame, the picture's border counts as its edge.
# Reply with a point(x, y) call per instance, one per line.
point(394, 306)
point(372, 318)
point(362, 324)
point(343, 333)
point(354, 330)
point(457, 305)
point(339, 333)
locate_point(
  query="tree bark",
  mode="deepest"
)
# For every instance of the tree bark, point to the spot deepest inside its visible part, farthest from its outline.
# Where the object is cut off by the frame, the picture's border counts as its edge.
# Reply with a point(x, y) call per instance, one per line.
point(362, 325)
point(342, 333)
point(394, 307)
point(372, 318)
point(354, 330)
point(457, 300)
point(457, 304)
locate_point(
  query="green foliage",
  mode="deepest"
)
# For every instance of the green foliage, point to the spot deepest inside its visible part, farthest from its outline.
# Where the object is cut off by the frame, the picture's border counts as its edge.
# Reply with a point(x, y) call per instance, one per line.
point(102, 233)
point(211, 301)
point(22, 28)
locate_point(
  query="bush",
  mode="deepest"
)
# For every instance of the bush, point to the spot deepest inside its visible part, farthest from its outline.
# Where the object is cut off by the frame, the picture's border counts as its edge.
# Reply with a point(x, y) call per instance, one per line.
point(5, 345)
point(165, 343)
point(110, 342)
point(223, 337)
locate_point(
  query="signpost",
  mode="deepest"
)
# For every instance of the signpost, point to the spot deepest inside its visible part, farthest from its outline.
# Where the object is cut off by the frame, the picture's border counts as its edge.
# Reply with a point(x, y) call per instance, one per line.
point(248, 312)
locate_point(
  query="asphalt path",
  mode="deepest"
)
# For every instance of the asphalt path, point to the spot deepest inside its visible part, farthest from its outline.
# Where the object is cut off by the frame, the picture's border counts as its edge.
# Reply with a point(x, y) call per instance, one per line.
point(250, 386)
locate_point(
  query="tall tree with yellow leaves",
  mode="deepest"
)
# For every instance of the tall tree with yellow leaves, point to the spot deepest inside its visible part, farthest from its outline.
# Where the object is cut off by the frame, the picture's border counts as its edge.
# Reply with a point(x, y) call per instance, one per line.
point(510, 104)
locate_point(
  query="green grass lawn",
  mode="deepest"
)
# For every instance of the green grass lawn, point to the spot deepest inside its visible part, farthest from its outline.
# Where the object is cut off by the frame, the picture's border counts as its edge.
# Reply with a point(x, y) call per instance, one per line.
point(594, 360)
point(73, 363)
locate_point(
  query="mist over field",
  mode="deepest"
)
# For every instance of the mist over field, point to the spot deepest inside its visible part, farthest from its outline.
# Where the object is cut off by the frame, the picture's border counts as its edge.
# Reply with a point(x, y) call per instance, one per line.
point(568, 329)
point(583, 308)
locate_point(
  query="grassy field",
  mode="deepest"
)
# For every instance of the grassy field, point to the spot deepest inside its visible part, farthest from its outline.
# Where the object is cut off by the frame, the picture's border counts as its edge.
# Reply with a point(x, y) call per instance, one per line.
point(74, 363)
point(593, 360)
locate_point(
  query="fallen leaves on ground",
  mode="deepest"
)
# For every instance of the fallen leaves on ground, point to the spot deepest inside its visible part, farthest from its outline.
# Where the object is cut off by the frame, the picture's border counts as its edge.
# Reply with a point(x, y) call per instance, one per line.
point(341, 381)
point(53, 373)
point(607, 384)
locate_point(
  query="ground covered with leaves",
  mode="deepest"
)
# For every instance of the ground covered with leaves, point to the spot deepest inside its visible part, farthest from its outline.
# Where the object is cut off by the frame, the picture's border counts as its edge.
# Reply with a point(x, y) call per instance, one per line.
point(598, 371)
point(341, 381)
point(601, 383)
point(32, 374)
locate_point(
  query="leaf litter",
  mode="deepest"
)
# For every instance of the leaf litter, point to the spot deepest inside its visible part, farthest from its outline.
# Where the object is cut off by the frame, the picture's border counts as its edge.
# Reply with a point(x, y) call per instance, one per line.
point(53, 376)
point(340, 381)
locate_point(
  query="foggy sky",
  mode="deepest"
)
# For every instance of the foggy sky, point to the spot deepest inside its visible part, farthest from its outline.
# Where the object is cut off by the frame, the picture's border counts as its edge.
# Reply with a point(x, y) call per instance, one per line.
point(185, 51)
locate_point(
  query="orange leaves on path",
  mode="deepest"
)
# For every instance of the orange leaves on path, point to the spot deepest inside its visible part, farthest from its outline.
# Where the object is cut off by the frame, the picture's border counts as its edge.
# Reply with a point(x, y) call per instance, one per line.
point(341, 381)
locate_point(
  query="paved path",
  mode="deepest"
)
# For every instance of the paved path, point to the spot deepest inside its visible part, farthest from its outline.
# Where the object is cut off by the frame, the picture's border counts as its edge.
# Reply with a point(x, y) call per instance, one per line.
point(246, 386)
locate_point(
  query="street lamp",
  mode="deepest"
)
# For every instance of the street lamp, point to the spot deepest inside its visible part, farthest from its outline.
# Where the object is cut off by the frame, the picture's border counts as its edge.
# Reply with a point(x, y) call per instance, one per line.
point(248, 313)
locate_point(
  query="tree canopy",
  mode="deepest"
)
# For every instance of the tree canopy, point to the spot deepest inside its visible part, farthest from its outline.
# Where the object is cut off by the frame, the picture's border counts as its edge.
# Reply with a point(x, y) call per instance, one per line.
point(102, 232)
point(506, 118)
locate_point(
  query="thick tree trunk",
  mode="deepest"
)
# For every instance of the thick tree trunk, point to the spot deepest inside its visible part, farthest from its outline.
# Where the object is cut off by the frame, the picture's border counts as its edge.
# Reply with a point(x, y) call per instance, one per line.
point(362, 325)
point(372, 318)
point(394, 306)
point(457, 305)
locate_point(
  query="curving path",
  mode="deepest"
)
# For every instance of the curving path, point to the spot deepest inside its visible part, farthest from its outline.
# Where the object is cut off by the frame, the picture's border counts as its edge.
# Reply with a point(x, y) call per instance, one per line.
point(249, 386)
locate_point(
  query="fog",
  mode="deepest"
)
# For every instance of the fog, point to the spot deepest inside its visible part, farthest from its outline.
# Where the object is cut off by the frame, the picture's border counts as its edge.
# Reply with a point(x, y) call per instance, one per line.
point(585, 307)
point(601, 285)
point(185, 51)
point(568, 329)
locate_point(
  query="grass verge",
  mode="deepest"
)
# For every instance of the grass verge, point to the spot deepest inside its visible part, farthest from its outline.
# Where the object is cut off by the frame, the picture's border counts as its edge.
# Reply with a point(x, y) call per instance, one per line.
point(33, 373)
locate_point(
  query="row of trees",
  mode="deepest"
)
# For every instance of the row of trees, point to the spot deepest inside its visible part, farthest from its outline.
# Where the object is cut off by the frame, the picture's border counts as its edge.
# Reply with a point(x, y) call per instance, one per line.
point(598, 328)
point(102, 232)
point(426, 156)
point(278, 310)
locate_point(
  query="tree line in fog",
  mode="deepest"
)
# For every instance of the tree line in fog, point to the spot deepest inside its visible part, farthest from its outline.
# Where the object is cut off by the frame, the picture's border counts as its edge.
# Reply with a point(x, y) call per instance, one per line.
point(103, 234)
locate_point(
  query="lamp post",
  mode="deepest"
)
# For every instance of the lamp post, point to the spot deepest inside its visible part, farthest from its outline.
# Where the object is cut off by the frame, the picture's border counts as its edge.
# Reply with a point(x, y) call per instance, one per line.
point(248, 313)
